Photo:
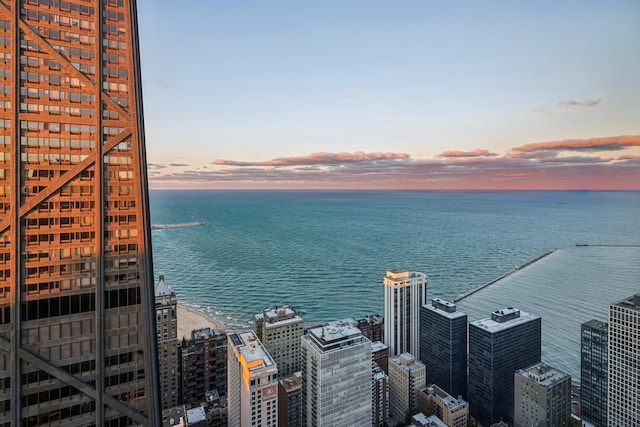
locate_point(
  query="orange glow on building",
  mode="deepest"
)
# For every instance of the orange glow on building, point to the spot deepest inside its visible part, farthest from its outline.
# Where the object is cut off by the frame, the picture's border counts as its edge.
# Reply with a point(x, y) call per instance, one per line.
point(77, 329)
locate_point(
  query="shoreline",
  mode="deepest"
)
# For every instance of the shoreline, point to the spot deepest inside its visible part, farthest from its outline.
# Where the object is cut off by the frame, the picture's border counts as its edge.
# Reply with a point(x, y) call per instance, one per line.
point(190, 319)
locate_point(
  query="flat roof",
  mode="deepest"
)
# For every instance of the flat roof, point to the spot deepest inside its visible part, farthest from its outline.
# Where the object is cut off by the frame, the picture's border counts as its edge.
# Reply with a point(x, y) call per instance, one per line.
point(403, 275)
point(431, 421)
point(406, 361)
point(285, 322)
point(334, 331)
point(292, 382)
point(543, 374)
point(597, 325)
point(335, 334)
point(377, 346)
point(444, 313)
point(450, 401)
point(493, 326)
point(196, 415)
point(202, 333)
point(631, 303)
point(252, 350)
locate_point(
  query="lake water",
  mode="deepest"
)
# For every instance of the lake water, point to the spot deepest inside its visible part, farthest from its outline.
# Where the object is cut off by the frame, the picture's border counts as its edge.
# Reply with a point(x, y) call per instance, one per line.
point(325, 252)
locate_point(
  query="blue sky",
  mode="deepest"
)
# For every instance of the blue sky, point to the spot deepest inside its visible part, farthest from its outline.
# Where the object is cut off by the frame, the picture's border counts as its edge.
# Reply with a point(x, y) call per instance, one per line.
point(231, 86)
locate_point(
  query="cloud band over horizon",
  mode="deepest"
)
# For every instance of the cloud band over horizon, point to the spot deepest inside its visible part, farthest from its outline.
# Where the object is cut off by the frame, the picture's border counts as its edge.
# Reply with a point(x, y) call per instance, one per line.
point(530, 166)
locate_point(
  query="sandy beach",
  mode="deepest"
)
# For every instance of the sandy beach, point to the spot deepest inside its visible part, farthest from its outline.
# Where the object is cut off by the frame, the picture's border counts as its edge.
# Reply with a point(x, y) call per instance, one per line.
point(190, 319)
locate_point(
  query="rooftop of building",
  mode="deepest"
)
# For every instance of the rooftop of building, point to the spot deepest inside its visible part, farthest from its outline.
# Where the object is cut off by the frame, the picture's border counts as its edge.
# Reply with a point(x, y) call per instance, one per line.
point(421, 420)
point(596, 324)
point(450, 401)
point(504, 319)
point(444, 308)
point(196, 415)
point(543, 374)
point(292, 382)
point(378, 346)
point(378, 374)
point(284, 322)
point(163, 288)
point(401, 276)
point(202, 333)
point(174, 416)
point(278, 316)
point(212, 396)
point(336, 333)
point(406, 361)
point(371, 319)
point(253, 353)
point(632, 302)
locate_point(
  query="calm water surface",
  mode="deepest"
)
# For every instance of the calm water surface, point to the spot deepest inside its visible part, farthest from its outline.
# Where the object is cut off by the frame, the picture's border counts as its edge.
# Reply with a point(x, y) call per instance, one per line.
point(326, 252)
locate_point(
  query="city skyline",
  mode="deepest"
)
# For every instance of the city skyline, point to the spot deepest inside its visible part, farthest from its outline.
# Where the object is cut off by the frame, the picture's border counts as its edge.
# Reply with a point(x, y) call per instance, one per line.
point(378, 96)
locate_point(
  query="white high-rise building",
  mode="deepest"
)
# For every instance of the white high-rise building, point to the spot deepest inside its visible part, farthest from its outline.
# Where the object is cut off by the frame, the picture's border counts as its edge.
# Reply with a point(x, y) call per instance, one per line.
point(623, 402)
point(336, 376)
point(252, 383)
point(404, 293)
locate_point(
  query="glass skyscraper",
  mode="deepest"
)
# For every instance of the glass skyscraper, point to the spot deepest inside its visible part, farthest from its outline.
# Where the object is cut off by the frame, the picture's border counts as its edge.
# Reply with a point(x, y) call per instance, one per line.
point(77, 326)
point(498, 346)
point(443, 344)
point(593, 372)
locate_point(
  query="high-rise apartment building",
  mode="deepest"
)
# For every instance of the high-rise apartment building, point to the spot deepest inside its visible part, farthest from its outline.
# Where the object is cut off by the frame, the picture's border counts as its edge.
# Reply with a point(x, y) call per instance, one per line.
point(542, 397)
point(252, 394)
point(380, 355)
point(443, 344)
point(279, 329)
point(290, 401)
point(623, 395)
point(454, 412)
point(498, 346)
point(379, 397)
point(336, 376)
point(593, 372)
point(407, 376)
point(203, 361)
point(404, 293)
point(167, 335)
point(77, 320)
point(372, 327)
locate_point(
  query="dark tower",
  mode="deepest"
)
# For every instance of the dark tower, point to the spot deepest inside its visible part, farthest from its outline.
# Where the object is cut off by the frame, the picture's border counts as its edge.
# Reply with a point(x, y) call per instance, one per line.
point(499, 346)
point(593, 372)
point(443, 344)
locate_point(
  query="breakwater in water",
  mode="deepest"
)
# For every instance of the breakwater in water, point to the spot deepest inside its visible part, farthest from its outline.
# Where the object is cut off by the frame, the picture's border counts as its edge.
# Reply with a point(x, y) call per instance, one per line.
point(181, 225)
point(520, 267)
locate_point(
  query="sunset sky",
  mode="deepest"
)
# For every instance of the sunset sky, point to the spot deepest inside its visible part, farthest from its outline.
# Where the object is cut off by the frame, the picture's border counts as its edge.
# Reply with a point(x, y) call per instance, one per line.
point(380, 94)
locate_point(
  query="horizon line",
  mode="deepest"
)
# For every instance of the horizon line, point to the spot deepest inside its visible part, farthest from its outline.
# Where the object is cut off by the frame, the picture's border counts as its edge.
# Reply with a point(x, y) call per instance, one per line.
point(433, 190)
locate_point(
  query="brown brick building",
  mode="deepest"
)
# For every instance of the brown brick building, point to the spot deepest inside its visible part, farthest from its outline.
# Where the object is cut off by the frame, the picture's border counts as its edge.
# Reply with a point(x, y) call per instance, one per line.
point(204, 365)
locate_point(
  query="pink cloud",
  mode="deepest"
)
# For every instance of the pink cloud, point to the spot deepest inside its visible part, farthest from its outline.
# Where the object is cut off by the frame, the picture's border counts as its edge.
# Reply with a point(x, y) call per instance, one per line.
point(531, 166)
point(591, 144)
point(321, 158)
point(473, 173)
point(579, 104)
point(478, 152)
